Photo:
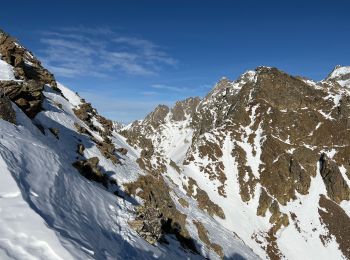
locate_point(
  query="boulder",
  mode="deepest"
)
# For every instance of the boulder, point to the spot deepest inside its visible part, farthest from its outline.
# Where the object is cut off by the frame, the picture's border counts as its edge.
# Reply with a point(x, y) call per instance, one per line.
point(148, 223)
point(80, 149)
point(89, 169)
point(55, 132)
point(6, 111)
point(122, 151)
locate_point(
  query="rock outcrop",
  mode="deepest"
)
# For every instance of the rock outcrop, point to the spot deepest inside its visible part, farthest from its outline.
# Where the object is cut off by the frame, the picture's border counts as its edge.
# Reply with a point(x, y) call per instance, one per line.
point(31, 77)
point(26, 66)
point(337, 188)
point(89, 168)
point(6, 111)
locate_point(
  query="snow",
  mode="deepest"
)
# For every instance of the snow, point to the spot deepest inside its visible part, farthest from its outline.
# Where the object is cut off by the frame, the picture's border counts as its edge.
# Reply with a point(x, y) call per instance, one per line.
point(330, 153)
point(24, 234)
point(345, 204)
point(326, 116)
point(240, 217)
point(6, 71)
point(340, 71)
point(253, 152)
point(72, 97)
point(344, 83)
point(307, 243)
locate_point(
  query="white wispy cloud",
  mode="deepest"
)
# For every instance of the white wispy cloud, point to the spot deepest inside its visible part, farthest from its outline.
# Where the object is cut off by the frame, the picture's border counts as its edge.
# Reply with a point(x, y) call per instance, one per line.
point(100, 52)
point(171, 88)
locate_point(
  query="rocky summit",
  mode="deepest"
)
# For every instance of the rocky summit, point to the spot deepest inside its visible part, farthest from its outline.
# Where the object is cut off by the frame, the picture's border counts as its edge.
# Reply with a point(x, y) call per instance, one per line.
point(259, 168)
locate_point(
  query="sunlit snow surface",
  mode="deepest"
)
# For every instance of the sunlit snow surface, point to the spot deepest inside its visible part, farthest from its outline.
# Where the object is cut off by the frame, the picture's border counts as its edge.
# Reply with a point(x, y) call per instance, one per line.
point(6, 71)
point(340, 71)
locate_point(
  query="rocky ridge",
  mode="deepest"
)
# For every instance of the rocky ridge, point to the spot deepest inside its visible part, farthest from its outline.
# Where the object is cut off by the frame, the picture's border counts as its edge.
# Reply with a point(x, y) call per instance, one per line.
point(267, 137)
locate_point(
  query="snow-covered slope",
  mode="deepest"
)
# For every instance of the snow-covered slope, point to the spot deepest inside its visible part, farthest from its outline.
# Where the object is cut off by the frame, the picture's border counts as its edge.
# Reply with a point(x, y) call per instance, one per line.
point(6, 71)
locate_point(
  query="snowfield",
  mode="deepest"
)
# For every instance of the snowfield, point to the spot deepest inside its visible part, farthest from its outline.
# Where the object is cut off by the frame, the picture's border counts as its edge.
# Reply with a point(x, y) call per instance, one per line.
point(6, 71)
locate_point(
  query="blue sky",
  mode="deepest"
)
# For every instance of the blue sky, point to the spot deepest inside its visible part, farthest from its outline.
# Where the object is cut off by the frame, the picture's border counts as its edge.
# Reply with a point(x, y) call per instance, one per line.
point(128, 56)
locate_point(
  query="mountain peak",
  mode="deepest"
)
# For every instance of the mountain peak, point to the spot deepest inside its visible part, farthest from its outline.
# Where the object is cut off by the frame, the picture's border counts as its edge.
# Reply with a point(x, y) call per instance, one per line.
point(339, 71)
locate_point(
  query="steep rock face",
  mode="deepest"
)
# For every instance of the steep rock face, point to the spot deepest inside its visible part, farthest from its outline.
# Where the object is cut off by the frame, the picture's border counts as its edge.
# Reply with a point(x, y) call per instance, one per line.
point(337, 222)
point(337, 188)
point(254, 145)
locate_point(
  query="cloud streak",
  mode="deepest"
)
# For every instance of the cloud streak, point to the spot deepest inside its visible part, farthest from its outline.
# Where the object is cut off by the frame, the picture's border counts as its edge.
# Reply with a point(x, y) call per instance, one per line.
point(78, 51)
point(171, 88)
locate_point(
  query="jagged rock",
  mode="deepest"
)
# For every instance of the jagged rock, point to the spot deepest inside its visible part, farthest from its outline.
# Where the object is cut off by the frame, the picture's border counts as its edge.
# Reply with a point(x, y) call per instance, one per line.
point(21, 102)
point(203, 199)
point(84, 112)
point(157, 116)
point(184, 203)
point(264, 203)
point(203, 235)
point(108, 151)
point(148, 223)
point(6, 111)
point(89, 169)
point(185, 107)
point(55, 132)
point(27, 95)
point(157, 202)
point(337, 188)
point(337, 222)
point(80, 149)
point(82, 129)
point(26, 66)
point(122, 150)
point(106, 124)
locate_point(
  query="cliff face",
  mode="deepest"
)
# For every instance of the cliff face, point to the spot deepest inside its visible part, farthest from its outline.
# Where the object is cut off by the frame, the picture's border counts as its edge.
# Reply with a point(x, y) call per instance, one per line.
point(261, 154)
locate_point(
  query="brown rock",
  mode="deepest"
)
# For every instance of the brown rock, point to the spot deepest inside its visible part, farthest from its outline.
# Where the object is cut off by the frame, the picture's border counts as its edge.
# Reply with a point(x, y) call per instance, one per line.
point(6, 111)
point(122, 150)
point(55, 132)
point(337, 188)
point(80, 149)
point(337, 222)
point(89, 169)
point(21, 102)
